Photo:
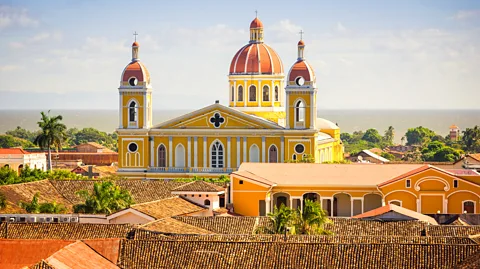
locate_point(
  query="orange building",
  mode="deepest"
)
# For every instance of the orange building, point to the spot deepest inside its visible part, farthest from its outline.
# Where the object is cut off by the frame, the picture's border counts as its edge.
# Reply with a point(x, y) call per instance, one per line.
point(348, 190)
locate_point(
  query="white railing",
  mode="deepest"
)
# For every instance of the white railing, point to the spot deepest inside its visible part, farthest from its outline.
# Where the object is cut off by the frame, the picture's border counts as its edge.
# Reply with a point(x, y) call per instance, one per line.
point(192, 170)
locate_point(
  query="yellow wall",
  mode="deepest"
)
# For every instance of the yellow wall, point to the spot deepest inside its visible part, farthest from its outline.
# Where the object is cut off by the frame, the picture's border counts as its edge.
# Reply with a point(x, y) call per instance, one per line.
point(138, 97)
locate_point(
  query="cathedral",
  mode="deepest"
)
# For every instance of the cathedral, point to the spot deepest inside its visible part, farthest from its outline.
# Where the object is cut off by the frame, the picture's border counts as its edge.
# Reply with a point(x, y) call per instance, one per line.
point(270, 118)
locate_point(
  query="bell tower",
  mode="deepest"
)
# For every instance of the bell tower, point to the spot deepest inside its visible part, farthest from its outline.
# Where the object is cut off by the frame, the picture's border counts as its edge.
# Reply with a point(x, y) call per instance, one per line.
point(301, 93)
point(135, 92)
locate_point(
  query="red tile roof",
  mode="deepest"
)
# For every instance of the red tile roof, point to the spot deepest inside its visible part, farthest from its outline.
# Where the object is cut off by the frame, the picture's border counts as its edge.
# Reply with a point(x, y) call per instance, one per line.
point(78, 255)
point(13, 151)
point(256, 58)
point(108, 248)
point(398, 209)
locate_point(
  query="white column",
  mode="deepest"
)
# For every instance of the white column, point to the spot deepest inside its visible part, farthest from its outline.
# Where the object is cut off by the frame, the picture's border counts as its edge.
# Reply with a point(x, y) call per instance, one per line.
point(120, 124)
point(263, 149)
point(362, 205)
point(351, 207)
point(267, 204)
point(195, 152)
point(287, 107)
point(238, 152)
point(419, 206)
point(145, 110)
point(331, 206)
point(291, 202)
point(170, 150)
point(312, 111)
point(152, 152)
point(229, 153)
point(282, 150)
point(244, 149)
point(235, 93)
point(272, 93)
point(245, 93)
point(259, 96)
point(445, 206)
point(204, 151)
point(189, 149)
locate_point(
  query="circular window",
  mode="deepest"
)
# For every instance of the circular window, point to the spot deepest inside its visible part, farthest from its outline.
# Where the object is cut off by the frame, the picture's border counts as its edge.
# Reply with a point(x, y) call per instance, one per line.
point(133, 81)
point(132, 147)
point(299, 81)
point(299, 148)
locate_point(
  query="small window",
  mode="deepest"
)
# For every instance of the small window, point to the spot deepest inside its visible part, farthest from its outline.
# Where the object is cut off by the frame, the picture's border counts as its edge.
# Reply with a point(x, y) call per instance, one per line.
point(233, 94)
point(240, 94)
point(206, 195)
point(468, 207)
point(266, 93)
point(294, 157)
point(133, 81)
point(276, 93)
point(199, 195)
point(193, 195)
point(252, 94)
point(299, 81)
point(396, 202)
point(206, 202)
point(455, 183)
point(184, 195)
point(300, 112)
point(408, 183)
point(240, 182)
point(299, 148)
point(132, 147)
point(132, 112)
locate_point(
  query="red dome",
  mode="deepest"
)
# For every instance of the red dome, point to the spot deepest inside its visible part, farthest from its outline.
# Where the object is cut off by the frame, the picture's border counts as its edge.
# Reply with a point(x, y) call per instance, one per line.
point(256, 58)
point(301, 43)
point(301, 69)
point(256, 23)
point(136, 69)
point(135, 44)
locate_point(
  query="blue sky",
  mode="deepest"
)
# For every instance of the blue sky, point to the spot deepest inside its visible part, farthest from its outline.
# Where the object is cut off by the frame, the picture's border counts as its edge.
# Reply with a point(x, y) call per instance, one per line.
point(367, 54)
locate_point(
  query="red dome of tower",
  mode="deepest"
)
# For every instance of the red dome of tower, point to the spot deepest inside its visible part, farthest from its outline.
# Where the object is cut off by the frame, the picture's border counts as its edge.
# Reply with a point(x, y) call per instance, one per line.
point(256, 23)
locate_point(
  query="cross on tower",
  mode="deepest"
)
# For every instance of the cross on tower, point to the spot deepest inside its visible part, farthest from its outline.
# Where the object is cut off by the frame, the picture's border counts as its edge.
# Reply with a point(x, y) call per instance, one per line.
point(217, 120)
point(256, 13)
point(135, 34)
point(301, 34)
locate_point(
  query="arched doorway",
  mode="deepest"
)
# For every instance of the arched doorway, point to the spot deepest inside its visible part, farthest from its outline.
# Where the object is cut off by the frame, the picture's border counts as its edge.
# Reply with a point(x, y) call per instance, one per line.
point(342, 206)
point(179, 156)
point(469, 207)
point(162, 156)
point(281, 198)
point(371, 201)
point(273, 154)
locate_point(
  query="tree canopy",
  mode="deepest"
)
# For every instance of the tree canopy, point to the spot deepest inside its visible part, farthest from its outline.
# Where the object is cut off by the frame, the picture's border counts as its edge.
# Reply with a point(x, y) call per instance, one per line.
point(105, 198)
point(52, 134)
point(35, 207)
point(418, 135)
point(27, 174)
point(471, 139)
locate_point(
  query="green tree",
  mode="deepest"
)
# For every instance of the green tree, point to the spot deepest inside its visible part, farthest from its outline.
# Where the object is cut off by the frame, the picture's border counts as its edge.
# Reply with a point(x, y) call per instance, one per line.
point(389, 135)
point(35, 207)
point(3, 201)
point(8, 141)
point(22, 133)
point(283, 218)
point(471, 139)
point(105, 198)
point(7, 176)
point(346, 137)
point(419, 135)
point(312, 219)
point(372, 135)
point(388, 156)
point(438, 152)
point(52, 134)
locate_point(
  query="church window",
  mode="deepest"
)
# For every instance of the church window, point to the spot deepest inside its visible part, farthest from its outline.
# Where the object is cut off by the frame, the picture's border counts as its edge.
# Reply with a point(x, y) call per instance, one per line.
point(272, 154)
point(299, 148)
point(468, 207)
point(180, 156)
point(132, 111)
point(133, 81)
point(276, 93)
point(217, 155)
point(240, 94)
point(299, 81)
point(254, 154)
point(266, 93)
point(408, 183)
point(252, 93)
point(132, 147)
point(294, 157)
point(300, 111)
point(162, 156)
point(455, 183)
point(233, 94)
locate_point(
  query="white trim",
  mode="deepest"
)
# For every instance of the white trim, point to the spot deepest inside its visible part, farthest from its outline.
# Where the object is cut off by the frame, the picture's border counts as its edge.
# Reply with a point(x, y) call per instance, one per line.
point(263, 149)
point(463, 191)
point(128, 147)
point(238, 151)
point(137, 107)
point(145, 125)
point(432, 178)
point(120, 95)
point(195, 151)
point(246, 59)
point(152, 153)
point(189, 151)
point(244, 149)
point(250, 153)
point(295, 122)
point(229, 152)
point(204, 151)
point(130, 210)
point(414, 195)
point(295, 150)
point(170, 151)
point(177, 159)
point(474, 206)
point(238, 56)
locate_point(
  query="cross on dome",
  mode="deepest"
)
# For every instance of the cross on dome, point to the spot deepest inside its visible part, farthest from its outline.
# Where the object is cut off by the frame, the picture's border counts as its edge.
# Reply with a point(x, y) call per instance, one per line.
point(256, 13)
point(135, 35)
point(301, 34)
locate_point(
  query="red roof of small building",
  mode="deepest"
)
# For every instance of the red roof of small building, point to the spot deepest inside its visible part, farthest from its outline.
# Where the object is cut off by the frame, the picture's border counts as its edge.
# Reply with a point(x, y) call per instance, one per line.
point(256, 23)
point(13, 151)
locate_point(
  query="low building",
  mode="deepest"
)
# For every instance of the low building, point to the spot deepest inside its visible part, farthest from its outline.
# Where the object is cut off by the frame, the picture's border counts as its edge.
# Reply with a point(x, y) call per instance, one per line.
point(367, 156)
point(350, 189)
point(17, 158)
point(92, 147)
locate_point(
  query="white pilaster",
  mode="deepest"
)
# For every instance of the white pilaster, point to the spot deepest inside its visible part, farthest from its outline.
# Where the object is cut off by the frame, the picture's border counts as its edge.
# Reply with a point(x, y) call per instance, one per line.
point(272, 93)
point(189, 149)
point(235, 93)
point(245, 93)
point(267, 204)
point(351, 207)
point(229, 153)
point(287, 106)
point(312, 111)
point(244, 149)
point(120, 110)
point(259, 96)
point(238, 152)
point(418, 206)
point(152, 152)
point(331, 206)
point(204, 151)
point(263, 149)
point(282, 149)
point(170, 151)
point(144, 110)
point(195, 152)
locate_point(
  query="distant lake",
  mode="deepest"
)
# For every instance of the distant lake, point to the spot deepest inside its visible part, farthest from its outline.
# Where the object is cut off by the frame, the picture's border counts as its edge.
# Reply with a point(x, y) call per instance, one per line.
point(348, 120)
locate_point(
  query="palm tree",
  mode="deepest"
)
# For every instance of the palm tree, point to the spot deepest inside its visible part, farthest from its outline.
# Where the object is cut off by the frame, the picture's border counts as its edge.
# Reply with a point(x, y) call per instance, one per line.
point(52, 134)
point(105, 198)
point(282, 219)
point(312, 219)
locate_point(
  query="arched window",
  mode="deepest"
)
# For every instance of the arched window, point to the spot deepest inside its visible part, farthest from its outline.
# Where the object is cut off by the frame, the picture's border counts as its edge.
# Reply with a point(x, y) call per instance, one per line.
point(252, 93)
point(469, 207)
point(240, 94)
point(272, 154)
point(206, 202)
point(20, 167)
point(300, 111)
point(396, 202)
point(162, 156)
point(276, 93)
point(132, 111)
point(254, 154)
point(179, 156)
point(266, 93)
point(217, 155)
point(233, 94)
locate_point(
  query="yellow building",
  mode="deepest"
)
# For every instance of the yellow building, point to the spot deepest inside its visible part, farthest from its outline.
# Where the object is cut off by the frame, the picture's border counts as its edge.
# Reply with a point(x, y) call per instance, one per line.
point(350, 189)
point(266, 121)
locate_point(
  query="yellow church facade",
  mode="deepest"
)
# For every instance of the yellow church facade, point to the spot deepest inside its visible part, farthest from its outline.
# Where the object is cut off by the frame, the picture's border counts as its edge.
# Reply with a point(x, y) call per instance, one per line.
point(270, 118)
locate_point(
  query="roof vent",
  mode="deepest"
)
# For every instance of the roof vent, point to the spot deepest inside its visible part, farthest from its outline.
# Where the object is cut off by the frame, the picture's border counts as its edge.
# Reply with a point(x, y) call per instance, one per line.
point(217, 101)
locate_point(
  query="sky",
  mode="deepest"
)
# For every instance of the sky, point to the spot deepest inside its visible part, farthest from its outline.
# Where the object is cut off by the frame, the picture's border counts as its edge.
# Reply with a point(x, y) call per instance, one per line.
point(410, 54)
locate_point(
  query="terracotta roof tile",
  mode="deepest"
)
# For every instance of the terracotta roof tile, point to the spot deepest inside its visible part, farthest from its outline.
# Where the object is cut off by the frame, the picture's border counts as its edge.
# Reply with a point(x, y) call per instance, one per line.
point(199, 186)
point(66, 231)
point(170, 226)
point(452, 230)
point(174, 206)
point(377, 212)
point(13, 151)
point(108, 248)
point(41, 265)
point(475, 156)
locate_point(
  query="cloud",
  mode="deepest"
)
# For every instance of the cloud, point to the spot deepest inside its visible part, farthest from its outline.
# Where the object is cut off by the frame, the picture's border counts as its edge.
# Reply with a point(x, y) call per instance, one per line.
point(16, 45)
point(340, 27)
point(466, 14)
point(5, 68)
point(12, 16)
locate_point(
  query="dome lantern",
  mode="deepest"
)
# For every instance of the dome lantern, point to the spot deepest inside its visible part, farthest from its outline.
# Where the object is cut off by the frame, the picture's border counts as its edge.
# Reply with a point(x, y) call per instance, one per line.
point(256, 30)
point(135, 47)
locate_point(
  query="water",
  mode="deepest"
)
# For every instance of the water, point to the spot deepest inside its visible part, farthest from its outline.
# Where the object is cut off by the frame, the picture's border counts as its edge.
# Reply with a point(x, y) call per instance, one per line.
point(348, 120)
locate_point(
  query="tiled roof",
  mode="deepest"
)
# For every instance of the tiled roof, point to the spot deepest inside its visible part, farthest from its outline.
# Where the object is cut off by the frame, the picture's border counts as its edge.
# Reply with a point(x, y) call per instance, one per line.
point(452, 230)
point(174, 206)
point(108, 248)
point(141, 190)
point(25, 192)
point(227, 224)
point(66, 231)
point(472, 262)
point(378, 212)
point(199, 186)
point(13, 151)
point(93, 144)
point(202, 254)
point(170, 225)
point(475, 156)
point(41, 265)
